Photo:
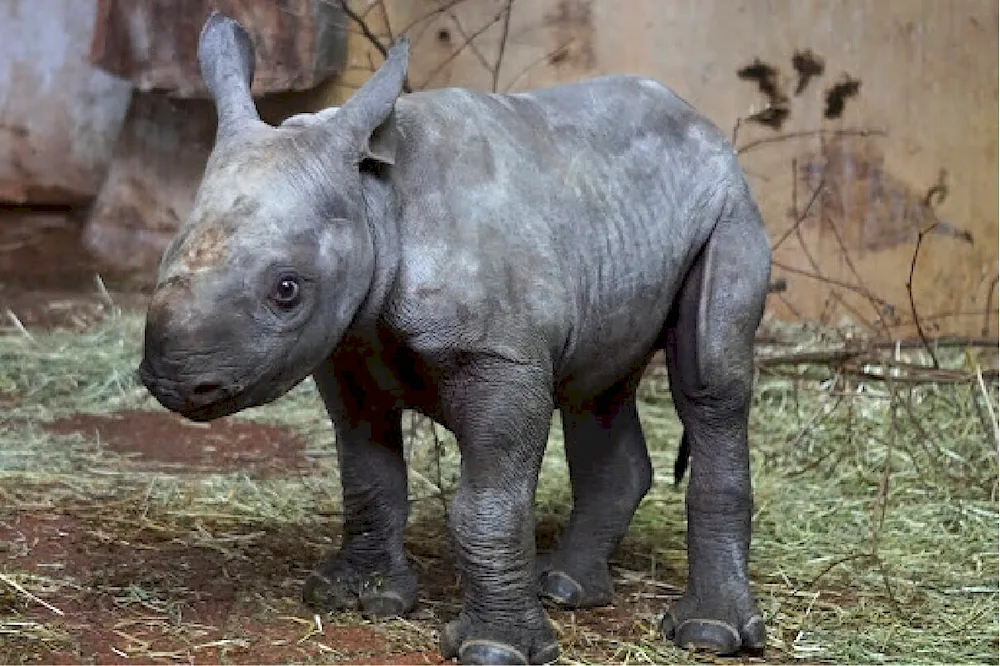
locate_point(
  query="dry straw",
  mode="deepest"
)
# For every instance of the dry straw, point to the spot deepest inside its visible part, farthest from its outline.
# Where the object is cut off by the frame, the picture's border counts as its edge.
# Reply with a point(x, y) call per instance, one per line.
point(875, 520)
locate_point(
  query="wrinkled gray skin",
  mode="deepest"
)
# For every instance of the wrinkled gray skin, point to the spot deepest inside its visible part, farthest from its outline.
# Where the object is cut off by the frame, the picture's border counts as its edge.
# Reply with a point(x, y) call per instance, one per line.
point(483, 259)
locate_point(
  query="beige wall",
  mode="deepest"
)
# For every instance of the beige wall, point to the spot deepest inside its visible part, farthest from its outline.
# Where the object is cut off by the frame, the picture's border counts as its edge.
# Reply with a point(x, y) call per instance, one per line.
point(928, 72)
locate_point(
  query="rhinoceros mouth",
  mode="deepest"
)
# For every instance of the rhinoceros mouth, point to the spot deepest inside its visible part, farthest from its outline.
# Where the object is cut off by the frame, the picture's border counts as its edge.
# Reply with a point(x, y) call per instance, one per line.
point(215, 410)
point(234, 398)
point(212, 397)
point(201, 402)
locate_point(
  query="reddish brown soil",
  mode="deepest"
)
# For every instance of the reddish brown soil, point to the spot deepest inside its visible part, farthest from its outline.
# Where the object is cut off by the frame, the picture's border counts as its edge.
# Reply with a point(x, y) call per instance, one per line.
point(151, 598)
point(132, 589)
point(165, 441)
point(134, 592)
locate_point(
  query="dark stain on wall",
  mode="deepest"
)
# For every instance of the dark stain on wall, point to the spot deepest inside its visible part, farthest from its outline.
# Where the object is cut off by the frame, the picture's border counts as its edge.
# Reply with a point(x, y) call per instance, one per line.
point(808, 65)
point(838, 94)
point(572, 24)
point(870, 208)
point(767, 78)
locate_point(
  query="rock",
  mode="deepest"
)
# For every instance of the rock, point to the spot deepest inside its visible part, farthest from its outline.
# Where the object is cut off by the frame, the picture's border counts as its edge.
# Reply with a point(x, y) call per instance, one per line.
point(153, 43)
point(158, 162)
point(170, 126)
point(59, 115)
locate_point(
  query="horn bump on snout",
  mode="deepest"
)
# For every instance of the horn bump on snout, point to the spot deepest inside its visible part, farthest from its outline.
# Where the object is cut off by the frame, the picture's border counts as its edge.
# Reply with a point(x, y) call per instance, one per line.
point(227, 58)
point(205, 248)
point(167, 295)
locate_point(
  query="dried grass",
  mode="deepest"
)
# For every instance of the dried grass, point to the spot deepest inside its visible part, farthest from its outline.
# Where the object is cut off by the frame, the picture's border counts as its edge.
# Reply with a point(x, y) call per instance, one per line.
point(875, 524)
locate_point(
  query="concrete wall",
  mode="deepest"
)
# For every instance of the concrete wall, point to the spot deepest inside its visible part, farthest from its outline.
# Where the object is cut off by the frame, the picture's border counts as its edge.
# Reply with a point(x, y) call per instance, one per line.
point(927, 98)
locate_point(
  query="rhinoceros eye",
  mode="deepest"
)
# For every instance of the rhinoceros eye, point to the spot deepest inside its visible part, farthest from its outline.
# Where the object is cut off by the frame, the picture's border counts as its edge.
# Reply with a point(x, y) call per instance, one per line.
point(287, 291)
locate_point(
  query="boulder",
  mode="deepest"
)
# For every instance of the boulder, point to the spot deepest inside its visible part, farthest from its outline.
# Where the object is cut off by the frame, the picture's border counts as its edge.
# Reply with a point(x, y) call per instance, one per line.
point(59, 114)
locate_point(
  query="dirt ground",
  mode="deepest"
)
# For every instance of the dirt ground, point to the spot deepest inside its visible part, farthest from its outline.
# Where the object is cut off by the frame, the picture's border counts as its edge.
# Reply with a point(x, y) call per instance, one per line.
point(129, 535)
point(46, 280)
point(138, 591)
point(144, 593)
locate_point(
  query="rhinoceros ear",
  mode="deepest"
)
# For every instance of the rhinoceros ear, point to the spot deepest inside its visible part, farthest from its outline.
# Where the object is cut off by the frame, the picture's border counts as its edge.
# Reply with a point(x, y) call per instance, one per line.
point(226, 56)
point(363, 116)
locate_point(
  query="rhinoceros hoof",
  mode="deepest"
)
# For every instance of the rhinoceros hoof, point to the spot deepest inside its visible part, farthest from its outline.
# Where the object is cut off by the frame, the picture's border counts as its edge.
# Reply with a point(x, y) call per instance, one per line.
point(561, 584)
point(335, 586)
point(692, 628)
point(475, 642)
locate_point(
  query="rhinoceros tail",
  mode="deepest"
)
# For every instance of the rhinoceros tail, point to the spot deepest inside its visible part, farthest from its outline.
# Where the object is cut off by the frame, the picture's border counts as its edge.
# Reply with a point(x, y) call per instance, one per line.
point(683, 456)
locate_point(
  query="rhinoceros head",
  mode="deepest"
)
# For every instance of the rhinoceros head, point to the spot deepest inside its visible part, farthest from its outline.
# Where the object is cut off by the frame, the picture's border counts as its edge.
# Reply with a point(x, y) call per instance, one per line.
point(276, 257)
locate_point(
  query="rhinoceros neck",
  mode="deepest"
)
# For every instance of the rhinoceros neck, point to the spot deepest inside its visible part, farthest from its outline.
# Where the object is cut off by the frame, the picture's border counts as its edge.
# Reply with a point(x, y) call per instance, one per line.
point(380, 212)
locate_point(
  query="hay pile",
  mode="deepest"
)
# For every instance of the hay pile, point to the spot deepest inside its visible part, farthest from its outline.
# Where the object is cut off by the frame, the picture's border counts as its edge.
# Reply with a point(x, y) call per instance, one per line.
point(875, 524)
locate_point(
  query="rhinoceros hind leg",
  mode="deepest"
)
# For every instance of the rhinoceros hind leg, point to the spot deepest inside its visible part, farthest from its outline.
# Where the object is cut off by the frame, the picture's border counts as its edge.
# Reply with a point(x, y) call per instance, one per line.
point(709, 349)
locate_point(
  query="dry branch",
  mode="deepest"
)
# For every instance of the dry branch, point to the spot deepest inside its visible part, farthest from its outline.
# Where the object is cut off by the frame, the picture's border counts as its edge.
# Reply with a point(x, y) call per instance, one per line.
point(465, 43)
point(909, 291)
point(789, 136)
point(503, 45)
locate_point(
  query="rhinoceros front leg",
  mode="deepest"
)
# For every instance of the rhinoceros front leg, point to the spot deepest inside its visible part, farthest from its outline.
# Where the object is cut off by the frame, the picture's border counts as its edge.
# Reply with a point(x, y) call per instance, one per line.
point(370, 570)
point(710, 361)
point(500, 413)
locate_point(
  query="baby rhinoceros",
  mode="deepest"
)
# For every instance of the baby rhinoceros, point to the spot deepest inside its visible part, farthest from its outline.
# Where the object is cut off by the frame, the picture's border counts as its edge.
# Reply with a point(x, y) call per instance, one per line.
point(483, 259)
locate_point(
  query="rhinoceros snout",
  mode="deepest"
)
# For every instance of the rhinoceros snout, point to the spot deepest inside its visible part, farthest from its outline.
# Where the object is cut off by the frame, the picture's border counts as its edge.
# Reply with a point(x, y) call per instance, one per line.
point(199, 402)
point(191, 395)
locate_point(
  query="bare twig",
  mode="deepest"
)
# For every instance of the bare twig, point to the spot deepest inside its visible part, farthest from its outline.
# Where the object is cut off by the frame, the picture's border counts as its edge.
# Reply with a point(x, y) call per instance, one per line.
point(949, 378)
point(913, 304)
point(736, 130)
point(385, 17)
point(938, 192)
point(832, 565)
point(537, 61)
point(791, 308)
point(18, 325)
point(102, 290)
point(446, 7)
point(438, 454)
point(820, 357)
point(940, 343)
point(503, 46)
point(359, 20)
point(796, 228)
point(853, 361)
point(472, 45)
point(989, 311)
point(801, 217)
point(861, 291)
point(821, 414)
point(846, 254)
point(371, 36)
point(757, 143)
point(461, 47)
point(882, 498)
